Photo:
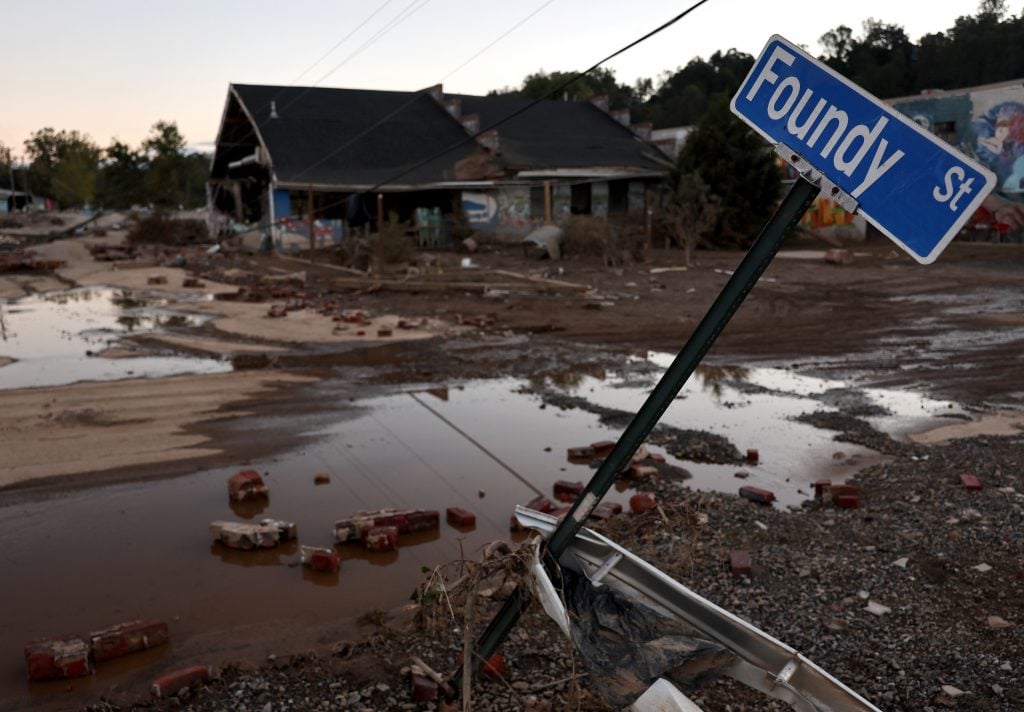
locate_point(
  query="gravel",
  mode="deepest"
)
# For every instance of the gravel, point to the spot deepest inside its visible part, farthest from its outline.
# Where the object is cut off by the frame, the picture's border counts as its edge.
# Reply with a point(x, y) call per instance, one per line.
point(891, 598)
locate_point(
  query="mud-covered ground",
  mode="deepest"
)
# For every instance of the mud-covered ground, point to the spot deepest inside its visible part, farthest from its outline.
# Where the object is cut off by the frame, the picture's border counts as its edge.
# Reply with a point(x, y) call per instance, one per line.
point(953, 329)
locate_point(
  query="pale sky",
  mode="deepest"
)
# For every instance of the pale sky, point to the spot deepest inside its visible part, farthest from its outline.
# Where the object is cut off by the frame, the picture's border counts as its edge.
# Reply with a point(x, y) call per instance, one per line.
point(112, 68)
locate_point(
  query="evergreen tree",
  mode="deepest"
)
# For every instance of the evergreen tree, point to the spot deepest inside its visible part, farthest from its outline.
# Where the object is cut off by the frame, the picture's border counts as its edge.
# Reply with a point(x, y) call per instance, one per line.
point(738, 167)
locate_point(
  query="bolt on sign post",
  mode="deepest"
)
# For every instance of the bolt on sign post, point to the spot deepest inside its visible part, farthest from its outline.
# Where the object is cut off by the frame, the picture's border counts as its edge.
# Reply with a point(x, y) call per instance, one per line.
point(842, 140)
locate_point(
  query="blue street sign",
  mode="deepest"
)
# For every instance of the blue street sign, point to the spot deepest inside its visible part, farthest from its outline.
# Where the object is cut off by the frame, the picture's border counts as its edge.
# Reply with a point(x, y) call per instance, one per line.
point(912, 186)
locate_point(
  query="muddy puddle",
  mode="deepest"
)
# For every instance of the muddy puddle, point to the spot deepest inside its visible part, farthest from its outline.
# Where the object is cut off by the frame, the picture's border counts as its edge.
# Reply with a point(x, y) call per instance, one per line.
point(59, 337)
point(93, 557)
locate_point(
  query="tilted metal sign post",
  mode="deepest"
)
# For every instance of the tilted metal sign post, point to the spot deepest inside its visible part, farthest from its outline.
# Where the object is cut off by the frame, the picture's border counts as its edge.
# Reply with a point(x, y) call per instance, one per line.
point(911, 185)
point(876, 156)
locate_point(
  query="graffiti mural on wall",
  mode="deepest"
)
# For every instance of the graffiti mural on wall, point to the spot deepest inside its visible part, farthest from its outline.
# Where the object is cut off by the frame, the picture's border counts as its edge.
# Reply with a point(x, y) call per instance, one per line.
point(826, 213)
point(481, 209)
point(1000, 144)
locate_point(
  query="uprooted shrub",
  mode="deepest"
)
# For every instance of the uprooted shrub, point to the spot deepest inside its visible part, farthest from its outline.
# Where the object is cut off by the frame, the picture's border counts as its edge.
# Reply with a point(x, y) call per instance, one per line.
point(163, 229)
point(615, 241)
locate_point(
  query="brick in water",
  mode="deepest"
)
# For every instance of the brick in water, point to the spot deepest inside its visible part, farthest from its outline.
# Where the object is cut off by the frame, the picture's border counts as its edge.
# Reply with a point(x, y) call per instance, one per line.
point(126, 638)
point(286, 531)
point(381, 538)
point(320, 558)
point(542, 504)
point(242, 535)
point(602, 447)
point(423, 688)
point(565, 488)
point(756, 494)
point(66, 656)
point(581, 453)
point(174, 682)
point(424, 520)
point(752, 457)
point(739, 562)
point(246, 485)
point(641, 502)
point(399, 520)
point(970, 482)
point(460, 517)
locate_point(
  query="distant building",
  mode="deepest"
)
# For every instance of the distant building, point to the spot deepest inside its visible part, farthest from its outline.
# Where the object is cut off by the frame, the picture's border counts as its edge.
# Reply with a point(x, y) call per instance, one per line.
point(985, 122)
point(280, 149)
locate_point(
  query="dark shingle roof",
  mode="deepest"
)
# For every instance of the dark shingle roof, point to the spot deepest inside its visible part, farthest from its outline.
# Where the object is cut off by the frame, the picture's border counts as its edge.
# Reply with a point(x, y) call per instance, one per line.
point(313, 123)
point(561, 134)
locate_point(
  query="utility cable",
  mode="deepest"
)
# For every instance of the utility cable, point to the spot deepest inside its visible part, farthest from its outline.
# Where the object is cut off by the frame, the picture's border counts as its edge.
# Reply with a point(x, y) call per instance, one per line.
point(415, 97)
point(342, 41)
point(482, 449)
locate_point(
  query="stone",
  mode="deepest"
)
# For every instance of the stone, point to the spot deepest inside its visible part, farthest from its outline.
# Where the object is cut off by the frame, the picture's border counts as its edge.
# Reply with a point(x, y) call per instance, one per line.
point(982, 568)
point(742, 475)
point(174, 682)
point(951, 691)
point(322, 478)
point(998, 623)
point(423, 688)
point(125, 638)
point(901, 562)
point(642, 472)
point(837, 625)
point(876, 608)
point(286, 531)
point(753, 457)
point(838, 256)
point(62, 657)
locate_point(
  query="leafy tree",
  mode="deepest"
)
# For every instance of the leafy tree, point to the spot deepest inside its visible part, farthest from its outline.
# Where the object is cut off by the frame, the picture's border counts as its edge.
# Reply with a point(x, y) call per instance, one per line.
point(689, 211)
point(63, 165)
point(738, 167)
point(173, 178)
point(881, 61)
point(684, 96)
point(601, 81)
point(121, 177)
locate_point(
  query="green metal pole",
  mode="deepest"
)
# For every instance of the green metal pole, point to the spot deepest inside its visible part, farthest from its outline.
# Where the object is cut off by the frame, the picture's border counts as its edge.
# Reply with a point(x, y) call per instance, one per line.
point(750, 269)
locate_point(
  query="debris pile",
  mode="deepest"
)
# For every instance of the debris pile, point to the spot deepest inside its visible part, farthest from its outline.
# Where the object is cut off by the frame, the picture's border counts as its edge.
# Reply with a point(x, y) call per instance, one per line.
point(74, 655)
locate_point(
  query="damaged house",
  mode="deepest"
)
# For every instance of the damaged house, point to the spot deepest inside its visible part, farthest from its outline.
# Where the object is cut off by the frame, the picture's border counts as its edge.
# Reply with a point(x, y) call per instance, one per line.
point(349, 156)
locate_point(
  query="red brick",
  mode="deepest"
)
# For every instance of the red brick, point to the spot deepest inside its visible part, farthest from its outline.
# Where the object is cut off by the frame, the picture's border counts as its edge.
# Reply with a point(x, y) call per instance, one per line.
point(398, 521)
point(424, 520)
point(67, 656)
point(561, 512)
point(820, 486)
point(602, 447)
point(423, 688)
point(971, 482)
point(322, 478)
point(605, 510)
point(581, 453)
point(383, 332)
point(756, 494)
point(641, 502)
point(542, 504)
point(381, 538)
point(739, 562)
point(564, 487)
point(320, 558)
point(847, 501)
point(460, 517)
point(174, 682)
point(246, 485)
point(837, 491)
point(126, 638)
point(752, 457)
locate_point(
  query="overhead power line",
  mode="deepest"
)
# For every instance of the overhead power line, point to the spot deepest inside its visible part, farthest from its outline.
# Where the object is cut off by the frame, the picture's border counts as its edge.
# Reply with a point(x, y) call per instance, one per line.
point(340, 42)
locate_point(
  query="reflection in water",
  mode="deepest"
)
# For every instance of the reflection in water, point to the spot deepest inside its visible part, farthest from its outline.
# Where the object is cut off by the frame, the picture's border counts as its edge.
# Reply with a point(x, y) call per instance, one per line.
point(249, 508)
point(320, 578)
point(50, 336)
point(714, 377)
point(569, 378)
point(257, 557)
